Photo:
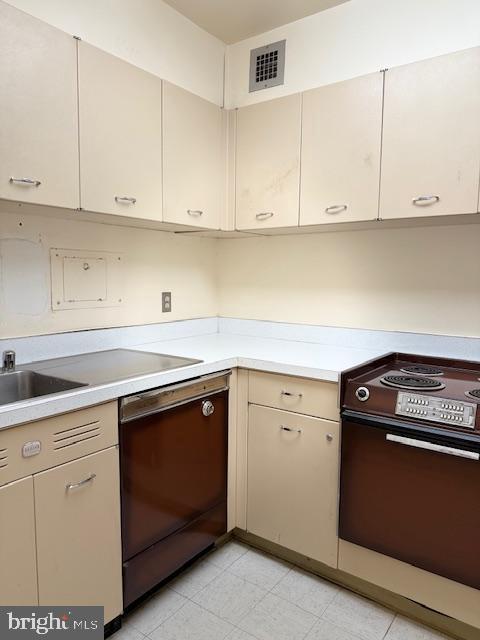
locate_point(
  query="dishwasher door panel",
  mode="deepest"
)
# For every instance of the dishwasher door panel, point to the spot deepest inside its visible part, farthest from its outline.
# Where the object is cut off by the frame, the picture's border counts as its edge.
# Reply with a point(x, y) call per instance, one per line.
point(412, 504)
point(173, 470)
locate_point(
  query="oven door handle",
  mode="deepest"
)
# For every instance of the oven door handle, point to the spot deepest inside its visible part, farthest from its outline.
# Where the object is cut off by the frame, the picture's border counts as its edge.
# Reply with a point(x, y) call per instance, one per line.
point(430, 446)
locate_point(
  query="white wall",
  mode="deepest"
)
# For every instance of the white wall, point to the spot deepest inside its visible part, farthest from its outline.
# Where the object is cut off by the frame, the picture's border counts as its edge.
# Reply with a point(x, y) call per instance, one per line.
point(355, 38)
point(154, 261)
point(147, 33)
point(412, 279)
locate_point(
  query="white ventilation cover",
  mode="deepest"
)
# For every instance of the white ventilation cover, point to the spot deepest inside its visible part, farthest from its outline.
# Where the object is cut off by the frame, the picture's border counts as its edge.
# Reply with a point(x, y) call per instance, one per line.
point(267, 66)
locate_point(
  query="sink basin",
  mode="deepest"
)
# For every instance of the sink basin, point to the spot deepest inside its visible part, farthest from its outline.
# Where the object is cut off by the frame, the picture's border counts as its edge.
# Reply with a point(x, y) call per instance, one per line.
point(23, 385)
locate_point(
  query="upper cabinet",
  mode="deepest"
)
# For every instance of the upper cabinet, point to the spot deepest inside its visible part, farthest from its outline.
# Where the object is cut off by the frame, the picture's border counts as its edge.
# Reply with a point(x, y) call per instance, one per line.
point(120, 136)
point(431, 137)
point(193, 159)
point(38, 112)
point(341, 140)
point(268, 164)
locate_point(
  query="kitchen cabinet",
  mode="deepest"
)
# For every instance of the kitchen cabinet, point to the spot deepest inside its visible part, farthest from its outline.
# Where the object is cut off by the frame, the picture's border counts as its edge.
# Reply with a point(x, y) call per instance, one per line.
point(38, 112)
point(193, 159)
point(292, 478)
point(120, 136)
point(18, 585)
point(341, 139)
point(268, 164)
point(431, 137)
point(60, 540)
point(77, 509)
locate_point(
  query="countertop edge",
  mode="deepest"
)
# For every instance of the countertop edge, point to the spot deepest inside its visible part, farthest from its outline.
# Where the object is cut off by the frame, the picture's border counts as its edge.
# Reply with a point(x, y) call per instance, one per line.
point(17, 414)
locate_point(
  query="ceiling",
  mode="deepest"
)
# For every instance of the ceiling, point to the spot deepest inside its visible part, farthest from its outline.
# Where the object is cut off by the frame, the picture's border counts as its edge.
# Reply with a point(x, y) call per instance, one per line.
point(234, 20)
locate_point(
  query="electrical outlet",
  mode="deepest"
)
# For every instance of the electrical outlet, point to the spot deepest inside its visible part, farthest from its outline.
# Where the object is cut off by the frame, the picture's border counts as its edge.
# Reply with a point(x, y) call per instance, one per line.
point(166, 301)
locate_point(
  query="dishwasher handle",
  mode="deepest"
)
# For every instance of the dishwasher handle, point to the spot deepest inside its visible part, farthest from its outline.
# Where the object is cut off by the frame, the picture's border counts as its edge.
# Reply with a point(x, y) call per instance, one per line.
point(151, 402)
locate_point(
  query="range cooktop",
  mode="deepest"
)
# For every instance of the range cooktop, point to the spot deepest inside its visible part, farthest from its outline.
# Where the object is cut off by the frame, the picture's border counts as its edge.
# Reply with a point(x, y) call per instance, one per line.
point(442, 392)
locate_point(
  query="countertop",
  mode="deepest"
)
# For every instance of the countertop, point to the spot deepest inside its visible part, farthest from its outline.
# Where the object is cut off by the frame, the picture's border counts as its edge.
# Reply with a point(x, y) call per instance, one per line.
point(218, 352)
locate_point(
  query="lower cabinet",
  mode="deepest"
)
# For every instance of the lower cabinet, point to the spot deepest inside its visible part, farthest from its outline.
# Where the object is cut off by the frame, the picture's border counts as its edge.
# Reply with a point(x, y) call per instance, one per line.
point(60, 541)
point(18, 569)
point(292, 481)
point(77, 509)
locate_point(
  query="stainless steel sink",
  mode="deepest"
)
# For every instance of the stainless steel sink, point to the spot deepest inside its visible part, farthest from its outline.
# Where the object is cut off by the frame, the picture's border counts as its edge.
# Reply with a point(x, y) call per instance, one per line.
point(25, 384)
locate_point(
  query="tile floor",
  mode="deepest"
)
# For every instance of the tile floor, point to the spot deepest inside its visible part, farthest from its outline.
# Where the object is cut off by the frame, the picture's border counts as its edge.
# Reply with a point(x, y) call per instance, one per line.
point(238, 593)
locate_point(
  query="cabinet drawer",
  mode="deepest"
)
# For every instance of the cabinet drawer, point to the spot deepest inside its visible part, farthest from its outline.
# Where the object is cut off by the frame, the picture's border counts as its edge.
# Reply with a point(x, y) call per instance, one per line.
point(59, 440)
point(311, 397)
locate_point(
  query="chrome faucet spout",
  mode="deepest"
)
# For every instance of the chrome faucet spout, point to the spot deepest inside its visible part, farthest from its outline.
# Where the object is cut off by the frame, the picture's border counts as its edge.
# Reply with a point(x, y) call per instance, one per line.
point(8, 361)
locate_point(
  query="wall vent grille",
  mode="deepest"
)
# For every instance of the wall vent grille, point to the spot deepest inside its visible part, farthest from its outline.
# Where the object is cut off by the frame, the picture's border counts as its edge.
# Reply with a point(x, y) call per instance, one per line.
point(3, 458)
point(267, 66)
point(75, 435)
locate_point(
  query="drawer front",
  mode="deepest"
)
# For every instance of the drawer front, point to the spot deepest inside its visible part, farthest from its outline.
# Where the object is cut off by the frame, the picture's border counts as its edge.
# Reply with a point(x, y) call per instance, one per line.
point(36, 446)
point(311, 397)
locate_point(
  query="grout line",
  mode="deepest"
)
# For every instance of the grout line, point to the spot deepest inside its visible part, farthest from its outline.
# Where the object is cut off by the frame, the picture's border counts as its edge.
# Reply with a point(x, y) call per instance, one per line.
point(390, 625)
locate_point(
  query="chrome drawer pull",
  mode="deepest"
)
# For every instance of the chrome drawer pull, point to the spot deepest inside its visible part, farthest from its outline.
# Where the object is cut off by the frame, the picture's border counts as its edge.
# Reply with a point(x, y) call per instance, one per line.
point(284, 428)
point(195, 212)
point(76, 485)
point(422, 200)
point(289, 394)
point(430, 446)
point(336, 208)
point(264, 215)
point(30, 182)
point(125, 199)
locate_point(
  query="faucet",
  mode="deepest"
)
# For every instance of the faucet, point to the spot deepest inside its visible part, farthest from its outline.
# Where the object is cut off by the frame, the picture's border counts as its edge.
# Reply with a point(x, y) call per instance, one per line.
point(8, 361)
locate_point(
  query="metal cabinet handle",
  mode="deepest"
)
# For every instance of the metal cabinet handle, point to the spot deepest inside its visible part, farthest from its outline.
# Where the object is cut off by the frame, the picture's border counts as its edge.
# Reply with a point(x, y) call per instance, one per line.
point(336, 208)
point(195, 212)
point(264, 215)
point(31, 182)
point(284, 428)
point(290, 394)
point(422, 200)
point(430, 446)
point(125, 199)
point(76, 485)
point(329, 437)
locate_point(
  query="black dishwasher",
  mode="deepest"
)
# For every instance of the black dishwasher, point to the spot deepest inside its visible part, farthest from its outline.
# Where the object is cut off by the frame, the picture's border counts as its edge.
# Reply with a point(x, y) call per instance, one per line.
point(173, 452)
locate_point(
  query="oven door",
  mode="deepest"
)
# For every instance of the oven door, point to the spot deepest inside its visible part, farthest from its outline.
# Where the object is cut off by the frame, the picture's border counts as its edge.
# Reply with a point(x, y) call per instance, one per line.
point(412, 493)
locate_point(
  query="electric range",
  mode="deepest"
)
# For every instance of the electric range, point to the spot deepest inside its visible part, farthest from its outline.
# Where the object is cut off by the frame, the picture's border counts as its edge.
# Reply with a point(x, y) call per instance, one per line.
point(410, 462)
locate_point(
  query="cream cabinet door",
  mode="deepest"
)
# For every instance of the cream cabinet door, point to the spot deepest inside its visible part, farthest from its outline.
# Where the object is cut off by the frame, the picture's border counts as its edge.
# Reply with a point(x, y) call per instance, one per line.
point(38, 112)
point(120, 136)
point(431, 137)
point(77, 509)
point(268, 164)
point(292, 477)
point(18, 569)
point(341, 139)
point(194, 159)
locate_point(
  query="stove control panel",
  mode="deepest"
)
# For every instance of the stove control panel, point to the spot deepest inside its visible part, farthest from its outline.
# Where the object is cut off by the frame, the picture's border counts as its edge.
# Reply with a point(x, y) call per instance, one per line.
point(451, 412)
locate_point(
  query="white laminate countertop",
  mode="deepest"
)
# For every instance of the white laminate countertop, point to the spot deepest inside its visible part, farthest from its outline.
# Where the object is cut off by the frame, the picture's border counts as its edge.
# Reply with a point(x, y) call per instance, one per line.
point(218, 352)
